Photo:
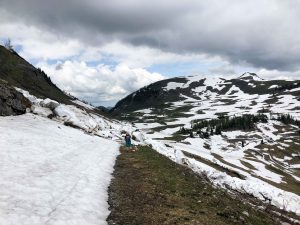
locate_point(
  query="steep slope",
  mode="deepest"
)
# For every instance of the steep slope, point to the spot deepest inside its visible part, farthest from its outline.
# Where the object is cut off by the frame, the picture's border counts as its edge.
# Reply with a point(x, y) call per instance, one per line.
point(151, 95)
point(164, 93)
point(173, 194)
point(16, 71)
point(56, 163)
point(243, 132)
point(56, 159)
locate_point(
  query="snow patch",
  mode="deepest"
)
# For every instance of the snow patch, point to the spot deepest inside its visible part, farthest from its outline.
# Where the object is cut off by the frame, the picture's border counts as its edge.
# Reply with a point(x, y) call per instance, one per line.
point(53, 174)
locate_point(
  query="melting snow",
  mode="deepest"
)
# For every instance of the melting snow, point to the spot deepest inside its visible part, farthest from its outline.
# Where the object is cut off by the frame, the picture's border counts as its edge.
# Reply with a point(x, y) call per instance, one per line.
point(52, 174)
point(173, 85)
point(87, 106)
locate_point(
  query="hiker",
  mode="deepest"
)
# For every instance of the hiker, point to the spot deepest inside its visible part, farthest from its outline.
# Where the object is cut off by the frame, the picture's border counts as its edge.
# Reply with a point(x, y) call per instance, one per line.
point(128, 140)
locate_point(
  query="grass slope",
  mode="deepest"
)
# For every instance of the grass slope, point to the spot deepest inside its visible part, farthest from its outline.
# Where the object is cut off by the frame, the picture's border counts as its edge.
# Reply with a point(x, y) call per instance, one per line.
point(148, 188)
point(17, 72)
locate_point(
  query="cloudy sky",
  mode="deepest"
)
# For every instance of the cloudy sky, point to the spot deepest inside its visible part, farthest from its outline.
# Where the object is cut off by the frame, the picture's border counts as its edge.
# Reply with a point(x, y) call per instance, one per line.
point(102, 50)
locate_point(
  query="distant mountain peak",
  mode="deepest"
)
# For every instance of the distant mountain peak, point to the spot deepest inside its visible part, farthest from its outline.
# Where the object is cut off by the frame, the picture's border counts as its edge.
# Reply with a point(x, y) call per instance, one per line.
point(250, 76)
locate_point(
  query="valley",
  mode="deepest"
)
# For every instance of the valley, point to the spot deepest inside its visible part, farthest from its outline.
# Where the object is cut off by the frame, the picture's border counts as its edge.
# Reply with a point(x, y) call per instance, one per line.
point(236, 137)
point(260, 158)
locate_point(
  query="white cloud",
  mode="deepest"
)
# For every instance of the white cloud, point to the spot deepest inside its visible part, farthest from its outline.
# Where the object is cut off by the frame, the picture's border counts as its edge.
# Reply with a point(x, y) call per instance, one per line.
point(42, 45)
point(39, 44)
point(99, 85)
point(280, 75)
point(144, 56)
point(189, 36)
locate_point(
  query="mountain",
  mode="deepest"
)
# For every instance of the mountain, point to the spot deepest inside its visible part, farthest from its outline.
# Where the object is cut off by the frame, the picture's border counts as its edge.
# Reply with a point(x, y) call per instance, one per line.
point(19, 73)
point(57, 157)
point(232, 132)
point(164, 93)
point(242, 133)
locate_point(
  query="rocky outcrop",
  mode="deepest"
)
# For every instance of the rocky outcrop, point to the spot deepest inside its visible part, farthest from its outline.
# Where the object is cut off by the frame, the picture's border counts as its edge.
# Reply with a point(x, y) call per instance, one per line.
point(12, 102)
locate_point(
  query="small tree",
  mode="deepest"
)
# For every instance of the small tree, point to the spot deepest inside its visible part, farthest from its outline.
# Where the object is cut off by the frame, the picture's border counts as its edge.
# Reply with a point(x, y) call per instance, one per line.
point(8, 45)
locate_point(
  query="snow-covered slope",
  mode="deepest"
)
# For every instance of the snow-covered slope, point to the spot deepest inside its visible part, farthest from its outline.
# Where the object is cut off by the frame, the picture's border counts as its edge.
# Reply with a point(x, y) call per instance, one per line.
point(52, 174)
point(249, 86)
point(55, 160)
point(56, 163)
point(263, 161)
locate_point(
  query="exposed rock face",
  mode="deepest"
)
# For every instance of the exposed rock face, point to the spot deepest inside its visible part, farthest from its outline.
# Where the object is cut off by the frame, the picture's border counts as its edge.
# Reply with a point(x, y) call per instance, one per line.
point(12, 102)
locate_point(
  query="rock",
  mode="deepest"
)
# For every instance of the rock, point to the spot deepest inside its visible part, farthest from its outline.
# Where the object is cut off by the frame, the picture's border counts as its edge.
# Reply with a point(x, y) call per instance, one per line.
point(245, 213)
point(48, 103)
point(36, 109)
point(12, 102)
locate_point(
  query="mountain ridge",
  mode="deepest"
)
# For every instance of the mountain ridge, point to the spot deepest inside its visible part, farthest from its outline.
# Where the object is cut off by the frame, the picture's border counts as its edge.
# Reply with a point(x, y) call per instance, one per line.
point(17, 72)
point(169, 90)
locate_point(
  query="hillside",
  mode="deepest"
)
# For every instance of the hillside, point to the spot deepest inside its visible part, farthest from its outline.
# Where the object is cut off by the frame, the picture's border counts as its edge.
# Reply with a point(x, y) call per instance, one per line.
point(17, 72)
point(148, 188)
point(164, 93)
point(56, 162)
point(57, 165)
point(243, 133)
point(57, 153)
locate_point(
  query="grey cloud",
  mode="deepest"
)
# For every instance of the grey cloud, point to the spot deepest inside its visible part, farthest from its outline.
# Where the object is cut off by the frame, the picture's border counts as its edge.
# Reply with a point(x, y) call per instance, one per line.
point(261, 33)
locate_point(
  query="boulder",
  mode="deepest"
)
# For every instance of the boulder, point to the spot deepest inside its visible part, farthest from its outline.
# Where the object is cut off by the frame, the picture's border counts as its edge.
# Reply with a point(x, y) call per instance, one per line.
point(49, 103)
point(12, 102)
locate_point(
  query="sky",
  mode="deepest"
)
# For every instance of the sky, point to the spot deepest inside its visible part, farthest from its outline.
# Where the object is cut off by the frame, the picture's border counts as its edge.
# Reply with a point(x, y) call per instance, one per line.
point(101, 51)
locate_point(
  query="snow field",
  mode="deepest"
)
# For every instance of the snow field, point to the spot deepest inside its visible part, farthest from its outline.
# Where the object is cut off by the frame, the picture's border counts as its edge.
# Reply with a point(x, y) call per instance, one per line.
point(52, 174)
point(55, 174)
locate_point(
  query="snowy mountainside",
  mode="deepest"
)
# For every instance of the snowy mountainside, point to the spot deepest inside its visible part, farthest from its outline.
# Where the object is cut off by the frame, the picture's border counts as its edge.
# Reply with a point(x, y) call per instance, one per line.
point(165, 93)
point(262, 159)
point(81, 118)
point(56, 163)
point(17, 72)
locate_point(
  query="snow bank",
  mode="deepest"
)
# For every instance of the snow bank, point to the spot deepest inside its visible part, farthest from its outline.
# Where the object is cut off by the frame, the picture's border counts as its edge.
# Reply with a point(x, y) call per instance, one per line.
point(52, 174)
point(87, 106)
point(79, 118)
point(173, 86)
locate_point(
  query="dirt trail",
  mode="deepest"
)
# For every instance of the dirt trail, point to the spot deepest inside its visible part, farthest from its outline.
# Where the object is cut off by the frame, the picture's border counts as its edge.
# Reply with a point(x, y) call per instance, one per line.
point(150, 189)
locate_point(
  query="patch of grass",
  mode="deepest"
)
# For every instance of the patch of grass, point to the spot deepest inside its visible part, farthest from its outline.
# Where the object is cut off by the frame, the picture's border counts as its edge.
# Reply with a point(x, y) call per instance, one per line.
point(148, 188)
point(200, 111)
point(174, 137)
point(215, 165)
point(160, 128)
point(221, 114)
point(179, 112)
point(248, 165)
point(207, 146)
point(19, 73)
point(289, 182)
